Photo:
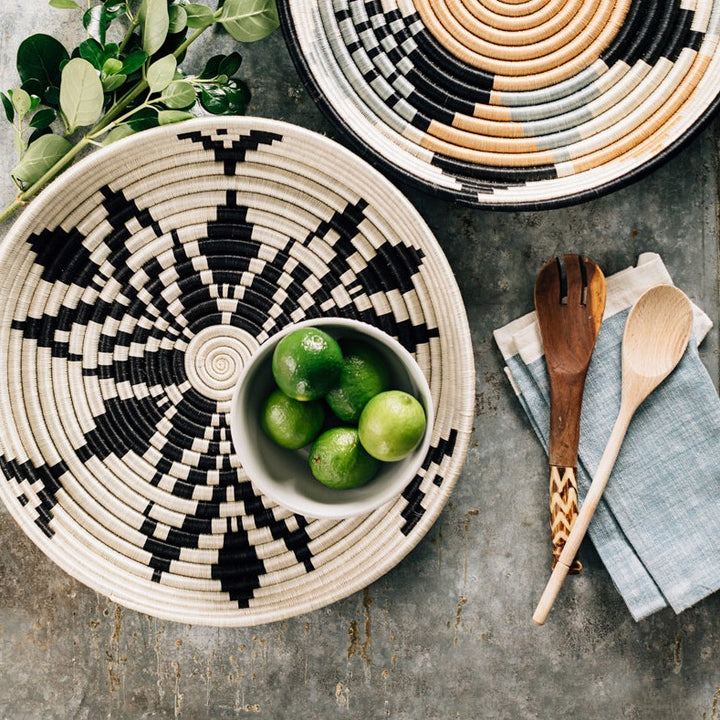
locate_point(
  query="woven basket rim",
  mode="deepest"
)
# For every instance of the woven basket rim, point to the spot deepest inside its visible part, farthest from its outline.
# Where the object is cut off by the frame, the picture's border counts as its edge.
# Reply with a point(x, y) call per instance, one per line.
point(182, 598)
point(395, 169)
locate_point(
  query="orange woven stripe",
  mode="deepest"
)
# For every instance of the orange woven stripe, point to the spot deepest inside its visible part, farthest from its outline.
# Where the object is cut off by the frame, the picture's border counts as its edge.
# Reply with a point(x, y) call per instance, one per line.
point(482, 157)
point(531, 74)
point(487, 143)
point(645, 141)
point(525, 41)
point(544, 13)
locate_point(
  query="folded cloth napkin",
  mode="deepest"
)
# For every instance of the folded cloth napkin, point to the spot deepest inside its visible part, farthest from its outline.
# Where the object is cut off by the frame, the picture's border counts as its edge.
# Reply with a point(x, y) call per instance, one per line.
point(657, 528)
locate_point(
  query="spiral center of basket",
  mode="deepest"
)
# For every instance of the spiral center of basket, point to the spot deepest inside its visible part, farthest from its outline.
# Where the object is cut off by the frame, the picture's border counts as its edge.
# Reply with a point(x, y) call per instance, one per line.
point(215, 358)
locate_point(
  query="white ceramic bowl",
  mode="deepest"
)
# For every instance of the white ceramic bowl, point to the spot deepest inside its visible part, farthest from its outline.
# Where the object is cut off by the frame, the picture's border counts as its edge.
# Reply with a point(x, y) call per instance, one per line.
point(284, 475)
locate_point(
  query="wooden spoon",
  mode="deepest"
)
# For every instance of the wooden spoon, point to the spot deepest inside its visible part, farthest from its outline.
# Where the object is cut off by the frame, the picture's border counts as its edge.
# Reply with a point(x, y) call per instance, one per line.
point(656, 335)
point(569, 308)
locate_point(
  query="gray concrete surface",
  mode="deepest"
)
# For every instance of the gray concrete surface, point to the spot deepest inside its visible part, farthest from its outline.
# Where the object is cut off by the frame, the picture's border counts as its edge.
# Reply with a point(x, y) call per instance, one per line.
point(446, 634)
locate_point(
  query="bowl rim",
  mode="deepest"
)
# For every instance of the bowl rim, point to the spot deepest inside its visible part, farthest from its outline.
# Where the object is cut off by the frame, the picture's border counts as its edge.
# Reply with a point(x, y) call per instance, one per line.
point(351, 507)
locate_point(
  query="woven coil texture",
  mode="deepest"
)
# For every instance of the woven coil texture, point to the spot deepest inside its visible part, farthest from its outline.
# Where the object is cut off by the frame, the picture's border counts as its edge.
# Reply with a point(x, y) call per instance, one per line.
point(132, 292)
point(511, 104)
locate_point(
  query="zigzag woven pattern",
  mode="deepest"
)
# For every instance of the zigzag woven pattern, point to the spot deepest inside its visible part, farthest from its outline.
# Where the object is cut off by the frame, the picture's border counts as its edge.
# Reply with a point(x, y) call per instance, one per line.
point(563, 510)
point(132, 292)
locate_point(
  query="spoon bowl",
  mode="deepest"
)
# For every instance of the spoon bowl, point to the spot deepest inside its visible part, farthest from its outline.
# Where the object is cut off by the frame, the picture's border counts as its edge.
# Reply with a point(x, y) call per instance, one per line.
point(656, 335)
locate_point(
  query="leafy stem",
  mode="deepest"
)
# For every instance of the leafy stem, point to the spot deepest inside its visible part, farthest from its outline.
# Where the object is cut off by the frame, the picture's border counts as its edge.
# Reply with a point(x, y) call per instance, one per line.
point(112, 89)
point(49, 175)
point(134, 22)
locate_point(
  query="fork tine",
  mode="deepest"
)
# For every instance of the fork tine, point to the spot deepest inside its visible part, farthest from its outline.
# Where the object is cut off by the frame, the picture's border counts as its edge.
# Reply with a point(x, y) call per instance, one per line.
point(547, 283)
point(575, 279)
point(596, 290)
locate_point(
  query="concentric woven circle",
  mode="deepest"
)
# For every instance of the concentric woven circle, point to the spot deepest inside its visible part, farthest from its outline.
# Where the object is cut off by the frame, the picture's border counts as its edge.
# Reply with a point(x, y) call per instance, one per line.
point(132, 292)
point(511, 104)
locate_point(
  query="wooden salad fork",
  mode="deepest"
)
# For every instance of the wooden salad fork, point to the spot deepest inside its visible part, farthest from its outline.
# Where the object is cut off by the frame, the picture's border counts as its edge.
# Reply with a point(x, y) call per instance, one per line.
point(569, 302)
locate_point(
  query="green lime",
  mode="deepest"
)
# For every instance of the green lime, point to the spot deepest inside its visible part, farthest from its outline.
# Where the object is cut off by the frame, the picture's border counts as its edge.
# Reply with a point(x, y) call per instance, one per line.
point(306, 363)
point(391, 425)
point(290, 423)
point(364, 375)
point(338, 460)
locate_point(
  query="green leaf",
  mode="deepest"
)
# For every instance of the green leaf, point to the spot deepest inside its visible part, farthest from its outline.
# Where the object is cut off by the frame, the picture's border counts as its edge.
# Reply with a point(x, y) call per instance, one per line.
point(134, 61)
point(113, 82)
point(249, 20)
point(9, 109)
point(21, 101)
point(168, 117)
point(177, 19)
point(98, 18)
point(112, 66)
point(38, 132)
point(178, 94)
point(219, 65)
point(212, 67)
point(65, 5)
point(43, 118)
point(39, 58)
point(34, 87)
point(40, 156)
point(52, 96)
point(230, 64)
point(143, 119)
point(229, 99)
point(96, 23)
point(115, 8)
point(155, 22)
point(92, 51)
point(198, 16)
point(161, 73)
point(118, 133)
point(81, 94)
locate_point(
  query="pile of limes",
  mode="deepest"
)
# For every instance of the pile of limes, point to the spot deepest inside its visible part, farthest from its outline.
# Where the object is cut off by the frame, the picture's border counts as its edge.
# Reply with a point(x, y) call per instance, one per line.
point(337, 396)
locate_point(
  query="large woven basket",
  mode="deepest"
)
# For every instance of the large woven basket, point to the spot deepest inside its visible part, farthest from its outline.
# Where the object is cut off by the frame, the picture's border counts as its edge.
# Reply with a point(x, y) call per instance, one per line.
point(132, 291)
point(511, 103)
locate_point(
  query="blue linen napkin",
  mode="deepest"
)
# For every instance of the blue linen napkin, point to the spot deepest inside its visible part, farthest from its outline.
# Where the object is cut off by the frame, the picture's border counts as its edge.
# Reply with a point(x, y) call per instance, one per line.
point(657, 528)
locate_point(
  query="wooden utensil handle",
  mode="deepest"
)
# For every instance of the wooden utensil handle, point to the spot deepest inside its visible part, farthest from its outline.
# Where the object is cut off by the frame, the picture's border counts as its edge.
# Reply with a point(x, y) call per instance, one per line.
point(563, 511)
point(580, 526)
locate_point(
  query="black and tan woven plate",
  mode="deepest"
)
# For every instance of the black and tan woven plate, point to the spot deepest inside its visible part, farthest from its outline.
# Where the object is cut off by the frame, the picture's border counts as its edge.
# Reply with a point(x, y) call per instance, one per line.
point(511, 103)
point(132, 291)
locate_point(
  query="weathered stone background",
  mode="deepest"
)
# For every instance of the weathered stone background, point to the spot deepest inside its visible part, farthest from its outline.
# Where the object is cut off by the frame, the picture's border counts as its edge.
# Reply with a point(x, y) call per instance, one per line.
point(447, 633)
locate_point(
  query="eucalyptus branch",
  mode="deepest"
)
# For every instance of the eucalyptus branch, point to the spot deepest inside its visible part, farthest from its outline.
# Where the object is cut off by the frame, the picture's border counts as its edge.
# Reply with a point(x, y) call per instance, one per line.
point(100, 87)
point(44, 179)
point(134, 22)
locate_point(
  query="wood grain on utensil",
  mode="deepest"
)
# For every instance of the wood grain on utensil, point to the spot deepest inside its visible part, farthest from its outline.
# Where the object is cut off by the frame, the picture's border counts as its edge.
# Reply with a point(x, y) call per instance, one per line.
point(569, 302)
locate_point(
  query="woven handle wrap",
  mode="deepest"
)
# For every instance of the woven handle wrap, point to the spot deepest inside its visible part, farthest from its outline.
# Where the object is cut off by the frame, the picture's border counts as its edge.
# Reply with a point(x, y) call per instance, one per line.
point(563, 510)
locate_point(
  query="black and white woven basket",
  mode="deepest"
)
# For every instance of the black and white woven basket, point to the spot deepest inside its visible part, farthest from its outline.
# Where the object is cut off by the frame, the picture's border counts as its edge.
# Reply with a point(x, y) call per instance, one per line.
point(132, 291)
point(511, 104)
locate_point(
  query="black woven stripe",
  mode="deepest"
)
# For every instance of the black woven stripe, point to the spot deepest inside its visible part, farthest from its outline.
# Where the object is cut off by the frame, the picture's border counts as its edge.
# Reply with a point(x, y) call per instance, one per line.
point(46, 494)
point(414, 510)
point(434, 61)
point(444, 448)
point(231, 156)
point(432, 83)
point(58, 249)
point(637, 32)
point(503, 176)
point(412, 493)
point(120, 210)
point(683, 37)
point(239, 581)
